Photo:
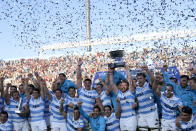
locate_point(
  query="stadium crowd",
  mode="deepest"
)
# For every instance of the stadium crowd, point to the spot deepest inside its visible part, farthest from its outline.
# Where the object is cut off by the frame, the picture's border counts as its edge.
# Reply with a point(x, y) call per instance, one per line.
point(41, 97)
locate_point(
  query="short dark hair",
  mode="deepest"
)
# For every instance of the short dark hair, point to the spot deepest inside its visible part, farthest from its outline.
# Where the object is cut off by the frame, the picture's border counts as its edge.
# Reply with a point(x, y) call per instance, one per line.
point(97, 107)
point(5, 113)
point(87, 79)
point(71, 87)
point(184, 76)
point(141, 74)
point(173, 78)
point(100, 84)
point(193, 78)
point(62, 74)
point(37, 89)
point(170, 85)
point(108, 107)
point(124, 81)
point(13, 86)
point(32, 86)
point(58, 90)
point(76, 108)
point(187, 110)
point(15, 92)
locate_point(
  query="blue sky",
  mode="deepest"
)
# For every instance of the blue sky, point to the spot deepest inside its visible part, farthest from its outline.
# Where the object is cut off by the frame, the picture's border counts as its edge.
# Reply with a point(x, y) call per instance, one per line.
point(45, 22)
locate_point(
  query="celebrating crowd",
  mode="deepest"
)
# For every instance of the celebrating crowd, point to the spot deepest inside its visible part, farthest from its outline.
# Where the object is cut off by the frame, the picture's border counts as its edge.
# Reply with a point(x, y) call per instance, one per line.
point(13, 70)
point(151, 101)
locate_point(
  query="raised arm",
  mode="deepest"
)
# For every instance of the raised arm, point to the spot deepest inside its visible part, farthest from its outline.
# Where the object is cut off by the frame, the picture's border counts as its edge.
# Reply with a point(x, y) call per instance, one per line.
point(145, 68)
point(84, 114)
point(192, 70)
point(118, 111)
point(42, 86)
point(2, 86)
point(156, 87)
point(6, 94)
point(129, 79)
point(79, 74)
point(99, 103)
point(46, 91)
point(115, 89)
point(61, 109)
point(35, 81)
point(25, 83)
point(107, 87)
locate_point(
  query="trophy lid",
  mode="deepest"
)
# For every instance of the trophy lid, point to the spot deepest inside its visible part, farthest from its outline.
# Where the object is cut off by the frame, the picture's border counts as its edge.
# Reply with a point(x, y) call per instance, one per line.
point(116, 53)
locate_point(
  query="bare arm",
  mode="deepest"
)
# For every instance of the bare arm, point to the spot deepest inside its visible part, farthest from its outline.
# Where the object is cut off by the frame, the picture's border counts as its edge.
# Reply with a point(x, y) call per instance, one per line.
point(47, 93)
point(6, 95)
point(27, 92)
point(115, 89)
point(61, 109)
point(107, 79)
point(156, 88)
point(1, 86)
point(129, 79)
point(79, 129)
point(145, 68)
point(99, 103)
point(178, 119)
point(79, 74)
point(35, 81)
point(118, 111)
point(42, 94)
point(108, 89)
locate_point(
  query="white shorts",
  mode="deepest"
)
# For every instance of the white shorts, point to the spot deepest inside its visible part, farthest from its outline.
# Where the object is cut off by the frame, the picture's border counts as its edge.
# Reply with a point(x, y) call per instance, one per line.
point(59, 126)
point(21, 126)
point(148, 120)
point(38, 126)
point(168, 125)
point(129, 124)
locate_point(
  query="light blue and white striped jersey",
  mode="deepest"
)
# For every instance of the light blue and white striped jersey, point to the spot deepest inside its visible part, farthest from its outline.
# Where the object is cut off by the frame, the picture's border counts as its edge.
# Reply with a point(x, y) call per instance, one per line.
point(105, 99)
point(170, 106)
point(145, 97)
point(36, 107)
point(1, 103)
point(13, 106)
point(127, 99)
point(73, 100)
point(73, 125)
point(6, 126)
point(188, 126)
point(88, 98)
point(55, 106)
point(112, 123)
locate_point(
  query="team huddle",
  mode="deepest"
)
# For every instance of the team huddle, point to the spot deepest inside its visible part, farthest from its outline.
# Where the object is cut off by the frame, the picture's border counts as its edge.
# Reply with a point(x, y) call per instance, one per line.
point(151, 101)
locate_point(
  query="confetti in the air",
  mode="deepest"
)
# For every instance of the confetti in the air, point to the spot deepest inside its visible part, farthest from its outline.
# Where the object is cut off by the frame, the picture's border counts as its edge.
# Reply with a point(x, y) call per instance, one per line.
point(36, 23)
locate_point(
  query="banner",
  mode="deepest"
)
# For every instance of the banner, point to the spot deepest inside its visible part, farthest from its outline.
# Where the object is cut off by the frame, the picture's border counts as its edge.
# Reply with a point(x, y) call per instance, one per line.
point(172, 72)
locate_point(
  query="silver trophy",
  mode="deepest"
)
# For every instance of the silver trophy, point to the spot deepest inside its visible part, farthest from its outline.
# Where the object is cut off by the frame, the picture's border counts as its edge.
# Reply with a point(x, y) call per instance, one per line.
point(118, 61)
point(19, 110)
